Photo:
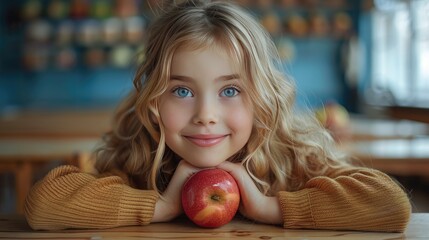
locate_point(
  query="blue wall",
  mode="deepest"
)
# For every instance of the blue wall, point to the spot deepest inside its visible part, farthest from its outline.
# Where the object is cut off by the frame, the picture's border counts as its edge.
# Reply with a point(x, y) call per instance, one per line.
point(316, 71)
point(72, 89)
point(315, 68)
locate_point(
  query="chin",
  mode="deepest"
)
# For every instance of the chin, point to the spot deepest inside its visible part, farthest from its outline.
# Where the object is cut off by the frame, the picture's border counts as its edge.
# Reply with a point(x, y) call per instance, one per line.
point(208, 163)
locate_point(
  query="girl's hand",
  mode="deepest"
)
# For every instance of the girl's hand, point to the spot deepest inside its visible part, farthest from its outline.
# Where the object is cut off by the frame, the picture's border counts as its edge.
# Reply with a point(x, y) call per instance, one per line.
point(169, 205)
point(254, 204)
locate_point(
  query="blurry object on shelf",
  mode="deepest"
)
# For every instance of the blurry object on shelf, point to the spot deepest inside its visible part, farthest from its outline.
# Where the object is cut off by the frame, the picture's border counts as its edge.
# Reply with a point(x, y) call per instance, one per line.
point(319, 25)
point(95, 57)
point(336, 3)
point(307, 18)
point(101, 9)
point(288, 3)
point(134, 29)
point(367, 5)
point(65, 58)
point(58, 9)
point(31, 10)
point(285, 48)
point(35, 57)
point(89, 33)
point(112, 31)
point(126, 8)
point(342, 25)
point(39, 31)
point(93, 29)
point(64, 33)
point(310, 3)
point(121, 56)
point(271, 23)
point(79, 9)
point(335, 118)
point(297, 26)
point(264, 4)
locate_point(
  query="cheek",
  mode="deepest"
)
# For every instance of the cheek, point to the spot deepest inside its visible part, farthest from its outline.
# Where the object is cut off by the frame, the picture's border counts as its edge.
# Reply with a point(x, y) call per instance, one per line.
point(241, 118)
point(173, 117)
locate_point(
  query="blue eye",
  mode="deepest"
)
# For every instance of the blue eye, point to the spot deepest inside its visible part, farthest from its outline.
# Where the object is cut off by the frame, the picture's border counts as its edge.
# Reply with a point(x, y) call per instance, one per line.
point(182, 92)
point(230, 92)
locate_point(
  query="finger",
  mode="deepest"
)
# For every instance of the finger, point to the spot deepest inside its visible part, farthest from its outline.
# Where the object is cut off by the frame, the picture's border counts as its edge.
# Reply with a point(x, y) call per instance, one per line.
point(187, 169)
point(227, 166)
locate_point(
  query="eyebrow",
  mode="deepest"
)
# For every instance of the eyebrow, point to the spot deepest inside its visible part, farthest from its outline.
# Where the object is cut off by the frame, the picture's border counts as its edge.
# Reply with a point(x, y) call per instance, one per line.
point(221, 78)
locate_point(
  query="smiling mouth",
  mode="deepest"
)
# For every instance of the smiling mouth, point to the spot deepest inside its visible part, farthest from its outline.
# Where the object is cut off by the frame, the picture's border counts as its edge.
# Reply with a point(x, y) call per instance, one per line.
point(206, 140)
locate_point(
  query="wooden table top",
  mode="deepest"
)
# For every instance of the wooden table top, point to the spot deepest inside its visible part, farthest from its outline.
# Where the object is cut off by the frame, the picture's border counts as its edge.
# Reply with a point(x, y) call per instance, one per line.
point(44, 149)
point(56, 124)
point(393, 146)
point(367, 129)
point(94, 122)
point(398, 156)
point(394, 149)
point(15, 227)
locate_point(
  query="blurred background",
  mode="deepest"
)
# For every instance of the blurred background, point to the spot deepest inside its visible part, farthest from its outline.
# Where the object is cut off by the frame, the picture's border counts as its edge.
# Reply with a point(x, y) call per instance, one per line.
point(362, 67)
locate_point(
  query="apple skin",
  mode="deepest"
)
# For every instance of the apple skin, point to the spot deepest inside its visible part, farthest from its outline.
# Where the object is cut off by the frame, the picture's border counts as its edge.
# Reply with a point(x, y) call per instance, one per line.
point(210, 198)
point(333, 114)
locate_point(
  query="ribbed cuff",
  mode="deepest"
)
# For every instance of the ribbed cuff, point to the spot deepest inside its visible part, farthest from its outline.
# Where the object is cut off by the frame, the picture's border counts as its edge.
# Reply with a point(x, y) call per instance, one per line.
point(296, 209)
point(137, 206)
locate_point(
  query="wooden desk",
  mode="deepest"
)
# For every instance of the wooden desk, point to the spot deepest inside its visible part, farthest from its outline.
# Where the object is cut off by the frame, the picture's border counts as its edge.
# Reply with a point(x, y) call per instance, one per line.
point(15, 227)
point(56, 124)
point(401, 157)
point(32, 138)
point(22, 156)
point(395, 147)
point(364, 129)
point(416, 113)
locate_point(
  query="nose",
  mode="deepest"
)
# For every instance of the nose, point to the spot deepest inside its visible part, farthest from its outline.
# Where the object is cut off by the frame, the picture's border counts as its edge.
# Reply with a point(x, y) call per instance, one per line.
point(206, 112)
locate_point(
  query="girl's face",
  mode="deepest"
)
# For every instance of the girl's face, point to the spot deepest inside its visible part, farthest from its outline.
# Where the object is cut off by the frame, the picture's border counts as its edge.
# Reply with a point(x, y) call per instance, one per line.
point(204, 112)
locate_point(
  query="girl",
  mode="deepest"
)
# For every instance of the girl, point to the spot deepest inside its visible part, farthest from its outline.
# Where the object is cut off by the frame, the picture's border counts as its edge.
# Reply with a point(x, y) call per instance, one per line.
point(209, 95)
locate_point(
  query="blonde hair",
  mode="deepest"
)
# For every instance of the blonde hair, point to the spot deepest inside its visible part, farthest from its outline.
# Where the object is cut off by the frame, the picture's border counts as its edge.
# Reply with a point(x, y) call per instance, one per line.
point(285, 149)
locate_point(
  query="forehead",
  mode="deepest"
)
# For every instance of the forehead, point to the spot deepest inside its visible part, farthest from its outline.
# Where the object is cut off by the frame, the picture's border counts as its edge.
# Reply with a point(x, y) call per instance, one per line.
point(196, 54)
point(201, 63)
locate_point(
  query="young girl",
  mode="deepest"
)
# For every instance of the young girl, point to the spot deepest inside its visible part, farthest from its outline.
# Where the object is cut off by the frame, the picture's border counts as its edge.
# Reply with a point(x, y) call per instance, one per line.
point(210, 95)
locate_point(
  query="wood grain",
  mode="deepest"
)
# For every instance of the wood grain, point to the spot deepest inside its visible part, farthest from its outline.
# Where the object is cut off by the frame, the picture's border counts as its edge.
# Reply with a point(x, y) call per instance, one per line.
point(15, 227)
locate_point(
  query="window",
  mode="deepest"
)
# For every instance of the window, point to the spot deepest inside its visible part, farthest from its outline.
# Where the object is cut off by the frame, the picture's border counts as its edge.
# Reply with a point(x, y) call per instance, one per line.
point(400, 55)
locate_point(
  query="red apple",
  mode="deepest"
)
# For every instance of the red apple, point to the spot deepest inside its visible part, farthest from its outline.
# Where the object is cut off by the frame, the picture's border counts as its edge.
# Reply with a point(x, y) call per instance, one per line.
point(210, 198)
point(336, 119)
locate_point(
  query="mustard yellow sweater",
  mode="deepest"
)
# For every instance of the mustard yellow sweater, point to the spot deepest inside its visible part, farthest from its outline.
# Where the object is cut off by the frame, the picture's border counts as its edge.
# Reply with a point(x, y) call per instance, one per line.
point(358, 199)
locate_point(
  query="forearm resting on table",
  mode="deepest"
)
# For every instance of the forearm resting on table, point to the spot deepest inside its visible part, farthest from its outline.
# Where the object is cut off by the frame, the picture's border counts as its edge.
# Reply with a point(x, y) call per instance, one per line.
point(68, 198)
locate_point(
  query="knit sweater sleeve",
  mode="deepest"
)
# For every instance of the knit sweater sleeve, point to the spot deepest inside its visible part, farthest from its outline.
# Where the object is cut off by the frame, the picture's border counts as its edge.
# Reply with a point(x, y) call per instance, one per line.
point(357, 199)
point(68, 198)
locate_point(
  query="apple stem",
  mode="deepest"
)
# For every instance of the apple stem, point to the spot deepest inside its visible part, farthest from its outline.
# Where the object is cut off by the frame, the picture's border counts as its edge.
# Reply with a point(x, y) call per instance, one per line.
point(215, 197)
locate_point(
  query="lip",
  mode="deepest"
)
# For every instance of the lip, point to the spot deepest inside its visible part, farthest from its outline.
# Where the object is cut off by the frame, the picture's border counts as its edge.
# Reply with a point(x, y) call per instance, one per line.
point(206, 140)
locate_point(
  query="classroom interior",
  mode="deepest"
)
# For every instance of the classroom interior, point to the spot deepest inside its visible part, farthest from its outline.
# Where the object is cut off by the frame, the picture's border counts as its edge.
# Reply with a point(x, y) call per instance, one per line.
point(66, 65)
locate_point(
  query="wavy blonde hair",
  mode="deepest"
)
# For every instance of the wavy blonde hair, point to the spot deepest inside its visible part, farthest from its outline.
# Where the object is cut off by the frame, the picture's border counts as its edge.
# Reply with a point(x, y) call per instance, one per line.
point(285, 149)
